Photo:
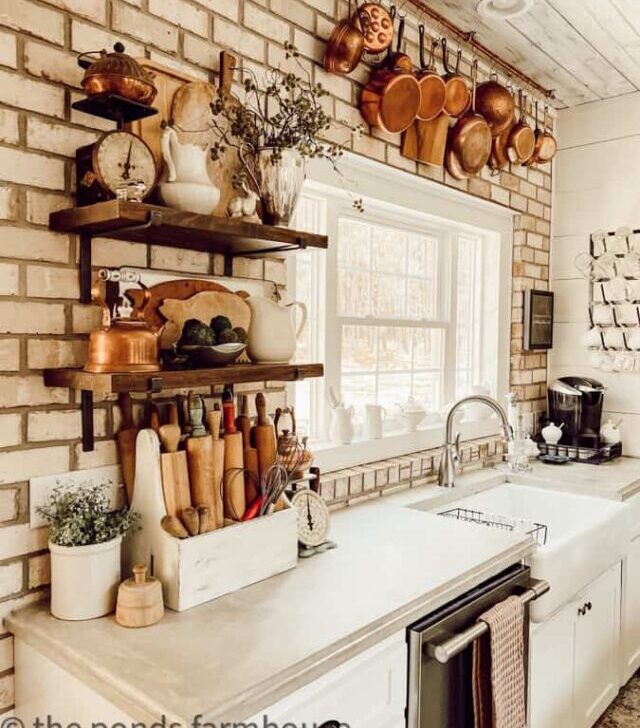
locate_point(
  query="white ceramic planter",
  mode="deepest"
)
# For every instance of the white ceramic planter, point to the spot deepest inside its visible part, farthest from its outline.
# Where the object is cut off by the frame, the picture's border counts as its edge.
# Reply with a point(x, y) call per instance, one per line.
point(85, 579)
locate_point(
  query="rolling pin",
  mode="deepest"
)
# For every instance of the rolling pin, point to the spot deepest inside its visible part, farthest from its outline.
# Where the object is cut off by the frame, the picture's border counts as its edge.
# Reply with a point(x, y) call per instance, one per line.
point(265, 437)
point(175, 472)
point(249, 454)
point(126, 439)
point(153, 418)
point(234, 498)
point(213, 420)
point(200, 456)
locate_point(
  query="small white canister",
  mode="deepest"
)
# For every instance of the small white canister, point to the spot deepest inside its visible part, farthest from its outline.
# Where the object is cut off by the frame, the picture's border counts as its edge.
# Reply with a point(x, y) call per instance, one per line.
point(85, 579)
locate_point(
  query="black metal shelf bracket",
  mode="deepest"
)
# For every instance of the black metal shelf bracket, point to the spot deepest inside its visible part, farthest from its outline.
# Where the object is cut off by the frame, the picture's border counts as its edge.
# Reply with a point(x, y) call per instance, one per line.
point(86, 404)
point(300, 244)
point(86, 280)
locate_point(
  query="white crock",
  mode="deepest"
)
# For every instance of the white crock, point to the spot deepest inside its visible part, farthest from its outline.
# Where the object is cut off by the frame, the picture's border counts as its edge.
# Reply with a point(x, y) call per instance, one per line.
point(85, 579)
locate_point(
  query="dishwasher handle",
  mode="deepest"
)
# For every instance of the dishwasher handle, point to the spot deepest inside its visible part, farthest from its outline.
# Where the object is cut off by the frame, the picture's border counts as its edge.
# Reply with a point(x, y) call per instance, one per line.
point(444, 651)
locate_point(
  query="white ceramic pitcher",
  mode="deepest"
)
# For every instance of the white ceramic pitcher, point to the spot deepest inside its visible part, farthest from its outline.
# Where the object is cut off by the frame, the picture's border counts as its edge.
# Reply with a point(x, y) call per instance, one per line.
point(185, 162)
point(375, 415)
point(272, 332)
point(342, 428)
point(188, 186)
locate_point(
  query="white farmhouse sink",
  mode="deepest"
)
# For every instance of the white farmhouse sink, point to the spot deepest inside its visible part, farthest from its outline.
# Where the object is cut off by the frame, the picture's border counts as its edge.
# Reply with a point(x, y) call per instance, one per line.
point(585, 535)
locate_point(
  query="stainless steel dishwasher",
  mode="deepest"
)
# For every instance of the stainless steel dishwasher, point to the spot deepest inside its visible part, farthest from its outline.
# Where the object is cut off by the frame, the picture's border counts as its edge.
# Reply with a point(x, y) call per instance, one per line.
point(440, 650)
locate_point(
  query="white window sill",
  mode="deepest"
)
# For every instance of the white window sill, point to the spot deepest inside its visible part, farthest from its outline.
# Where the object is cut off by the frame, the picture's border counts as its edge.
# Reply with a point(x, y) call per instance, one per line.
point(329, 456)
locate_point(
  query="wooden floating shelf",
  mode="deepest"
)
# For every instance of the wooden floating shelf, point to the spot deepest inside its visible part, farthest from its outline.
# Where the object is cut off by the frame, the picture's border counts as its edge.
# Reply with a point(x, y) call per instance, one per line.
point(185, 378)
point(138, 222)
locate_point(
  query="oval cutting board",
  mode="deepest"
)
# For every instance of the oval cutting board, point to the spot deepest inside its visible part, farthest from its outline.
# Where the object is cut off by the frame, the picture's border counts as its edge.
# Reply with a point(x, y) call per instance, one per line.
point(203, 307)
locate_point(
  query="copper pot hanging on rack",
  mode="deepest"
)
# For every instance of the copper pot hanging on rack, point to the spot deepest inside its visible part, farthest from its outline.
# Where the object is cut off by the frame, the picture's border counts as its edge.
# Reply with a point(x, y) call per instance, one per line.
point(521, 136)
point(548, 145)
point(496, 104)
point(458, 97)
point(375, 23)
point(433, 89)
point(391, 99)
point(469, 145)
point(345, 46)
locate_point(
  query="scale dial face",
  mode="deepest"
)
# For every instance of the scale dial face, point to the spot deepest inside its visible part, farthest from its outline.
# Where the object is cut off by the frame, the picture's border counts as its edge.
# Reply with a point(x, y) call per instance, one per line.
point(120, 158)
point(313, 517)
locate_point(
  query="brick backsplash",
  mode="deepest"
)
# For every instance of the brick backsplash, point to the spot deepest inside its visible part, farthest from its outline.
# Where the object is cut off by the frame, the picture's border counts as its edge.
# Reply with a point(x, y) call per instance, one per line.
point(41, 323)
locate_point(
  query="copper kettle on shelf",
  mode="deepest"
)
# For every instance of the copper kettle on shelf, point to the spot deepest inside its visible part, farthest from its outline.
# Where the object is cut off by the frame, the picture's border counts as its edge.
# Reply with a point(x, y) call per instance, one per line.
point(123, 344)
point(117, 73)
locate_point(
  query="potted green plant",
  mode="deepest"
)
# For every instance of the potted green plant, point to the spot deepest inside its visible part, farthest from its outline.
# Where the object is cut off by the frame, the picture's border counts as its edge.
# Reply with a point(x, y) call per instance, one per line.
point(276, 129)
point(85, 543)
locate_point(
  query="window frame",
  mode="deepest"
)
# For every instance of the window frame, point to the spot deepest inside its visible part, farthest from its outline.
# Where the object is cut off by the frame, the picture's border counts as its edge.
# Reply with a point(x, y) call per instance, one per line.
point(459, 212)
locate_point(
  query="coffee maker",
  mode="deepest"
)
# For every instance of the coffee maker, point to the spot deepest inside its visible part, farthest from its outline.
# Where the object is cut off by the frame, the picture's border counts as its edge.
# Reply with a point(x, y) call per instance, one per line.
point(576, 402)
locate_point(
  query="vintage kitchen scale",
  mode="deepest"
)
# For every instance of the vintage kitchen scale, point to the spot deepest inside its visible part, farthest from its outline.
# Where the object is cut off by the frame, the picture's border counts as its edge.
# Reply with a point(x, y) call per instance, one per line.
point(120, 164)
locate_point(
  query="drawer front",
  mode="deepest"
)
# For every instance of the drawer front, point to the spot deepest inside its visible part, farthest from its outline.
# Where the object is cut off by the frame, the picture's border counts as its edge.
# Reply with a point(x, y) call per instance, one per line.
point(368, 691)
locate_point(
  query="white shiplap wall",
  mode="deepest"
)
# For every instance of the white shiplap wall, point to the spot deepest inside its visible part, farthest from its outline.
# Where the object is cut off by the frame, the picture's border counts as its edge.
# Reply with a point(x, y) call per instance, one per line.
point(597, 186)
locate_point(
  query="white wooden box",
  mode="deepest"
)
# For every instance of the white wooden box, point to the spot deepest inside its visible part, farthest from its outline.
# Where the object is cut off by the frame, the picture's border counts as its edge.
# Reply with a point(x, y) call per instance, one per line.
point(200, 568)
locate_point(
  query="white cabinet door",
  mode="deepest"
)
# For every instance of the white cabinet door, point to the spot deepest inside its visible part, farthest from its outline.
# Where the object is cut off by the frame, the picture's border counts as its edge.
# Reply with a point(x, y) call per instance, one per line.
point(630, 642)
point(597, 636)
point(368, 691)
point(551, 671)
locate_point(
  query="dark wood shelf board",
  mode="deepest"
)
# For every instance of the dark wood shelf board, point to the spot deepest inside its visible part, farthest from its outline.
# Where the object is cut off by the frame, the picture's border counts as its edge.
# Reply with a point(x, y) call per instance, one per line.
point(143, 223)
point(104, 384)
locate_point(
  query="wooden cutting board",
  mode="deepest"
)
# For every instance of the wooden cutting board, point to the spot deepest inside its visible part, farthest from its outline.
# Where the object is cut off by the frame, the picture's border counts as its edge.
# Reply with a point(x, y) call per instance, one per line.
point(203, 307)
point(167, 81)
point(185, 100)
point(180, 290)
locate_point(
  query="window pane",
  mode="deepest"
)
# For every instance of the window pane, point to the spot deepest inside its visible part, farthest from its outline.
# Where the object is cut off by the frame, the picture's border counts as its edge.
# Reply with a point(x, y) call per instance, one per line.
point(359, 348)
point(354, 248)
point(426, 389)
point(358, 390)
point(469, 312)
point(389, 249)
point(394, 348)
point(417, 292)
point(428, 348)
point(388, 294)
point(393, 389)
point(353, 293)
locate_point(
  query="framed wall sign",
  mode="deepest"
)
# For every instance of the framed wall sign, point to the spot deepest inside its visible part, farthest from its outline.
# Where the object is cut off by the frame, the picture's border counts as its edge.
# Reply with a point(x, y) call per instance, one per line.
point(538, 320)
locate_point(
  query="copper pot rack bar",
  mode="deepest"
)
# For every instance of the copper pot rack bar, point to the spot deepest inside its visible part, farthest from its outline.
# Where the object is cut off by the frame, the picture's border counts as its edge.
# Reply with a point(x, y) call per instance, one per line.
point(469, 38)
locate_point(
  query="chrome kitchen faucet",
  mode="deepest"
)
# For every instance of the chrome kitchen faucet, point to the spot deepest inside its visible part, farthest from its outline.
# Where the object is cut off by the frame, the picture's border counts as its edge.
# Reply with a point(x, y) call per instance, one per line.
point(451, 451)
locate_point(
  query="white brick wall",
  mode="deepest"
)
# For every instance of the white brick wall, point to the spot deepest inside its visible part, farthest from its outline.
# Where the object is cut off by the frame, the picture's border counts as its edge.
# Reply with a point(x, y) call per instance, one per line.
point(41, 323)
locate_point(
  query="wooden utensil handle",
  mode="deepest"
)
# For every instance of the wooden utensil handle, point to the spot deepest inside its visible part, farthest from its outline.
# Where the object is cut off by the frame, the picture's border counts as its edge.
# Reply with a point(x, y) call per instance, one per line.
point(126, 409)
point(229, 415)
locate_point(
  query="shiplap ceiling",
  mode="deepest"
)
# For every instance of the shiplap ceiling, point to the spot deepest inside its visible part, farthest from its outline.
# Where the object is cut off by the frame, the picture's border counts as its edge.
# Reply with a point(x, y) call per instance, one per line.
point(584, 49)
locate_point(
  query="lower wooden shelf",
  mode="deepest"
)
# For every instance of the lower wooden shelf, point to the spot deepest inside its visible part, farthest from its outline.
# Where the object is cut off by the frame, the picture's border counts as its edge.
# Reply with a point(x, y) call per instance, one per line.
point(153, 382)
point(188, 378)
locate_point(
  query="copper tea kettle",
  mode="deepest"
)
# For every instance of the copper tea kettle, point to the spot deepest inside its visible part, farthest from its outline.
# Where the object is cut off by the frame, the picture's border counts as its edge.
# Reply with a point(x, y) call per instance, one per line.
point(123, 344)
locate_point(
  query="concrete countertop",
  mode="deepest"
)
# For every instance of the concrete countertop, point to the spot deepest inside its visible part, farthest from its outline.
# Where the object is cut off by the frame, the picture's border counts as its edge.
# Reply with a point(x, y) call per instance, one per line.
point(235, 656)
point(618, 479)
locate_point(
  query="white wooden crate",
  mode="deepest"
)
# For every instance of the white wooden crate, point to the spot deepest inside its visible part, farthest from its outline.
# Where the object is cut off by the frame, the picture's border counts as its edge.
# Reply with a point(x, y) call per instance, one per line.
point(200, 568)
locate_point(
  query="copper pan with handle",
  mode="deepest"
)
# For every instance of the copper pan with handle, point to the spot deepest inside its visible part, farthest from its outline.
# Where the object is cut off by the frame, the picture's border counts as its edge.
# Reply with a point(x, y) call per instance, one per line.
point(522, 138)
point(433, 89)
point(345, 45)
point(391, 99)
point(546, 145)
point(458, 97)
point(375, 23)
point(470, 138)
